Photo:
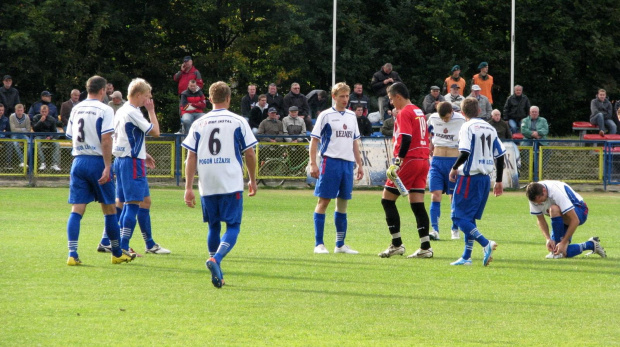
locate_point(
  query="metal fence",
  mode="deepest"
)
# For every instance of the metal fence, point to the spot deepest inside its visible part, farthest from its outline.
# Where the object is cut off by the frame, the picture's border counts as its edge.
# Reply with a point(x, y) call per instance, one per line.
point(573, 161)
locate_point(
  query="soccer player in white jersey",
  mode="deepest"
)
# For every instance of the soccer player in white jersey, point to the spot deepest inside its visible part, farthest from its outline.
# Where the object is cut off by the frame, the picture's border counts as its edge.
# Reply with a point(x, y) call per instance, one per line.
point(130, 129)
point(90, 129)
point(479, 147)
point(337, 134)
point(444, 126)
point(215, 144)
point(567, 211)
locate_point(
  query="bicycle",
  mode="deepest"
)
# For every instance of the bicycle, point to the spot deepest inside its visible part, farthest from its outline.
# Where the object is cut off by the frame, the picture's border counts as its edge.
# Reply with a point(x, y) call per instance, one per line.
point(285, 166)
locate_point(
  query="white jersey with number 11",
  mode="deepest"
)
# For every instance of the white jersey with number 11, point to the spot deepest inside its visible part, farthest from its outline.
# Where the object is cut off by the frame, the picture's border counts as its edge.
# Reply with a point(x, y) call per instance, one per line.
point(479, 139)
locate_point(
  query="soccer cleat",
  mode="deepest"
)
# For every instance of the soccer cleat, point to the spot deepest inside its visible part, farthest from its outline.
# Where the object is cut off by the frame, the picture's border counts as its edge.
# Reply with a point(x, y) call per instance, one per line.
point(461, 261)
point(104, 249)
point(157, 249)
point(126, 257)
point(216, 272)
point(131, 251)
point(488, 252)
point(455, 234)
point(43, 166)
point(345, 249)
point(320, 249)
point(422, 253)
point(552, 255)
point(55, 168)
point(73, 261)
point(393, 250)
point(434, 235)
point(598, 249)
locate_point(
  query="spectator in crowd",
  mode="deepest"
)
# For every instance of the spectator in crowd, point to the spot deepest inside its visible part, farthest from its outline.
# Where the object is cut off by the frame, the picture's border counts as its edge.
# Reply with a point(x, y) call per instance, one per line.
point(117, 101)
point(429, 105)
point(484, 80)
point(8, 94)
point(317, 101)
point(359, 98)
point(363, 123)
point(295, 98)
point(293, 125)
point(455, 97)
point(248, 101)
point(43, 122)
point(455, 78)
point(46, 99)
point(67, 106)
point(516, 108)
point(601, 113)
point(271, 126)
point(258, 113)
point(502, 128)
point(107, 97)
point(20, 123)
point(534, 127)
point(274, 99)
point(187, 73)
point(193, 103)
point(387, 129)
point(4, 121)
point(381, 80)
point(483, 102)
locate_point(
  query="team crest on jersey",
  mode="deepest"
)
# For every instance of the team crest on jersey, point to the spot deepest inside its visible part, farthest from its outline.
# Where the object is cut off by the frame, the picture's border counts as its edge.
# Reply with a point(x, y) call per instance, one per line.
point(445, 130)
point(344, 126)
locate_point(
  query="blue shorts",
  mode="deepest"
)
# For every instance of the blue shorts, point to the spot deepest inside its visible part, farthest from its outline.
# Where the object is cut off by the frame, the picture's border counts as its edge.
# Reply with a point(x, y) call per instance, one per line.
point(131, 184)
point(581, 210)
point(227, 208)
point(470, 196)
point(439, 175)
point(335, 179)
point(83, 186)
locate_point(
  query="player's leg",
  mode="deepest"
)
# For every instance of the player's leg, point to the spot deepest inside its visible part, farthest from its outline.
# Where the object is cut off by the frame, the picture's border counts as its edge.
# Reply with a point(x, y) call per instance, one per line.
point(436, 187)
point(392, 218)
point(73, 232)
point(326, 189)
point(345, 190)
point(465, 259)
point(416, 201)
point(104, 244)
point(319, 225)
point(455, 228)
point(144, 220)
point(559, 230)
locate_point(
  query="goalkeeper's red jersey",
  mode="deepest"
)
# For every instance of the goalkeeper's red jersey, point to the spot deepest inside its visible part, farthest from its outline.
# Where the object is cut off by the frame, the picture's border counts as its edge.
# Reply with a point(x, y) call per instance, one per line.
point(410, 121)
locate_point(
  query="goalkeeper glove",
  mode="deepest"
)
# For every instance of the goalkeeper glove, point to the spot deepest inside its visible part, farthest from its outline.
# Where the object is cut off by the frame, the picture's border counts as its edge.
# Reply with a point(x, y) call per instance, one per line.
point(393, 169)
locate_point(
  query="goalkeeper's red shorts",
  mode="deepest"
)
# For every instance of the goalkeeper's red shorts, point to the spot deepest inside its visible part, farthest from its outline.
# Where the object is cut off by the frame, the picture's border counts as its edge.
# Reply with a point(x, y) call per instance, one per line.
point(413, 173)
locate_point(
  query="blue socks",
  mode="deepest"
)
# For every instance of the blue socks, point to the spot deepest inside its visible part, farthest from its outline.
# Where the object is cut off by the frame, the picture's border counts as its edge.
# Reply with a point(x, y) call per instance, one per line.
point(144, 220)
point(471, 232)
point(228, 241)
point(469, 246)
point(113, 233)
point(105, 240)
point(435, 214)
point(319, 228)
point(128, 224)
point(340, 219)
point(213, 237)
point(557, 229)
point(73, 233)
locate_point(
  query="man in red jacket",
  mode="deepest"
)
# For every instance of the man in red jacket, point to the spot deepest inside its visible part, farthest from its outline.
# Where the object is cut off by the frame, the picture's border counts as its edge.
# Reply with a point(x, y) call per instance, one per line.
point(187, 73)
point(193, 104)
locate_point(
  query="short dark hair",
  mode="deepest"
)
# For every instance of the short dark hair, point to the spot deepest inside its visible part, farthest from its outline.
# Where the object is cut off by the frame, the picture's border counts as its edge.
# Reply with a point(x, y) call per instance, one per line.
point(356, 106)
point(95, 84)
point(444, 108)
point(470, 107)
point(533, 190)
point(398, 88)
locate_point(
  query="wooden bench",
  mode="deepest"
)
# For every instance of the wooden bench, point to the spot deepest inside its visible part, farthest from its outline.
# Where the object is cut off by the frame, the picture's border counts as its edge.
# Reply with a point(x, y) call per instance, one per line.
point(583, 127)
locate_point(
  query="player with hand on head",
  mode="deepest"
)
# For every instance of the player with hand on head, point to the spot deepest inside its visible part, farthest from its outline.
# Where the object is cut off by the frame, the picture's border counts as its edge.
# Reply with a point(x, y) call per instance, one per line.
point(411, 151)
point(480, 148)
point(567, 211)
point(215, 144)
point(444, 126)
point(337, 133)
point(90, 129)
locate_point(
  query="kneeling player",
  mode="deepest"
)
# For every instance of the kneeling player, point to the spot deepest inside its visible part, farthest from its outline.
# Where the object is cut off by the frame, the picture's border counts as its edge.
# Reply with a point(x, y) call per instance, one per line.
point(567, 211)
point(411, 166)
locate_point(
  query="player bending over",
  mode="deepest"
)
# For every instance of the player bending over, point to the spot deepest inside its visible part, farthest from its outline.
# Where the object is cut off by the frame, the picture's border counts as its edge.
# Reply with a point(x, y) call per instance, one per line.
point(567, 211)
point(215, 143)
point(411, 151)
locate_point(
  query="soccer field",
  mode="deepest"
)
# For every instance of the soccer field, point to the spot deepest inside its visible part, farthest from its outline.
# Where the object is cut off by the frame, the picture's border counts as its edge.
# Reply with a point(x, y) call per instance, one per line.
point(278, 293)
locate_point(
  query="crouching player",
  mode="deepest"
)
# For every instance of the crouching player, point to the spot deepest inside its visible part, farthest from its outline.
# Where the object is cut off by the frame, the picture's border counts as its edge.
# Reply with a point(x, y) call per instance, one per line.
point(411, 150)
point(567, 211)
point(215, 143)
point(444, 127)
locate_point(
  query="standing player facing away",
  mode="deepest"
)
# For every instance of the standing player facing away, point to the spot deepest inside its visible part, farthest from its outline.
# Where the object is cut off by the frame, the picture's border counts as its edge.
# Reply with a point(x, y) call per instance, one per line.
point(479, 146)
point(411, 166)
point(567, 211)
point(336, 130)
point(444, 126)
point(215, 144)
point(90, 129)
point(130, 129)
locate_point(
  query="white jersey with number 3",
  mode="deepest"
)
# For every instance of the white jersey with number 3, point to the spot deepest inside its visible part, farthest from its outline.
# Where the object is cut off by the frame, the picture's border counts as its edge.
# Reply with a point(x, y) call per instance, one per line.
point(88, 121)
point(479, 139)
point(219, 139)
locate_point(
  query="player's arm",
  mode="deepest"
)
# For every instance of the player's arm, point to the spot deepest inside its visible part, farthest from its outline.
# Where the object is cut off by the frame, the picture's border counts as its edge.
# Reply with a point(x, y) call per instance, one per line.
point(250, 162)
point(358, 160)
point(573, 223)
point(106, 150)
point(314, 169)
point(498, 188)
point(190, 171)
point(544, 228)
point(150, 107)
point(459, 161)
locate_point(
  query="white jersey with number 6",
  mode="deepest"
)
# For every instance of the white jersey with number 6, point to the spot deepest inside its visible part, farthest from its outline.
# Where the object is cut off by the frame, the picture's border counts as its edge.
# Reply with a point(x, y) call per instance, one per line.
point(479, 139)
point(219, 138)
point(88, 121)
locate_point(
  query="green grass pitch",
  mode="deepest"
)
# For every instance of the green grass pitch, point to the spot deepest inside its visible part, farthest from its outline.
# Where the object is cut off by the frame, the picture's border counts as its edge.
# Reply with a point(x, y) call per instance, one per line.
point(278, 293)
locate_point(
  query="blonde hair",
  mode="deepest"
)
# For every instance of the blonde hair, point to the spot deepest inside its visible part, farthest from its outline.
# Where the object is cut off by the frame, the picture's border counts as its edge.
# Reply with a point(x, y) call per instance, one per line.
point(339, 88)
point(19, 106)
point(138, 86)
point(219, 92)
